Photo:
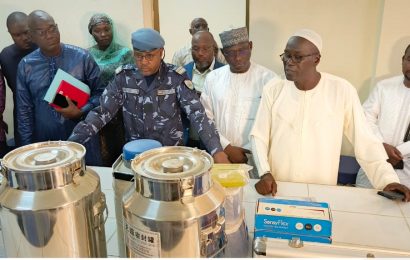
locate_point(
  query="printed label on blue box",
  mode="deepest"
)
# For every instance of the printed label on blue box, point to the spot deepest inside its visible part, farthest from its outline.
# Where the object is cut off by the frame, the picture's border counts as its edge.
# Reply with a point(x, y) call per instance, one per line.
point(294, 218)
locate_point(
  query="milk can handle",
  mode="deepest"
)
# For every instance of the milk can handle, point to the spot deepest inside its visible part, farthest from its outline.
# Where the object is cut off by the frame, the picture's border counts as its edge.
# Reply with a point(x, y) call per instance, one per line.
point(99, 208)
point(212, 235)
point(106, 216)
point(104, 202)
point(187, 190)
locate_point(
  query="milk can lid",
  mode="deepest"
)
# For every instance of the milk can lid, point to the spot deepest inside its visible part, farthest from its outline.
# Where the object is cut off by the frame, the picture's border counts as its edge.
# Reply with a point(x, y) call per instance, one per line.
point(172, 163)
point(43, 156)
point(133, 148)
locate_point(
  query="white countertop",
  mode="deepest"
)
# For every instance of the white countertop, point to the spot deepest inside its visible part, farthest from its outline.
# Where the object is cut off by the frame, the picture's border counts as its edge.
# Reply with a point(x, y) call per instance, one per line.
point(360, 217)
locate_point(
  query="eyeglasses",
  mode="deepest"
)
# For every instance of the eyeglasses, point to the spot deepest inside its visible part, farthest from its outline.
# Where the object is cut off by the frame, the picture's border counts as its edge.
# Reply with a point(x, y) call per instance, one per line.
point(285, 57)
point(149, 56)
point(53, 29)
point(234, 53)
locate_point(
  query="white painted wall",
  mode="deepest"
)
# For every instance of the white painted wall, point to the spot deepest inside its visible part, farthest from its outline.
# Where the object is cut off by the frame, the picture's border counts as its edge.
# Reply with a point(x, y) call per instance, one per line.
point(72, 18)
point(175, 18)
point(349, 29)
point(394, 38)
point(363, 40)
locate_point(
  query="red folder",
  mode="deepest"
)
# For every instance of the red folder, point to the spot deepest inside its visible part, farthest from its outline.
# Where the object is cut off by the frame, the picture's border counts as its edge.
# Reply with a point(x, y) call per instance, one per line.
point(65, 89)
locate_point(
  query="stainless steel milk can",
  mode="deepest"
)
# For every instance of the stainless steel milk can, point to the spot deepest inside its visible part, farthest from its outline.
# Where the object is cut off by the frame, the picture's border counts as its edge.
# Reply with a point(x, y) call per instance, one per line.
point(123, 179)
point(175, 209)
point(50, 204)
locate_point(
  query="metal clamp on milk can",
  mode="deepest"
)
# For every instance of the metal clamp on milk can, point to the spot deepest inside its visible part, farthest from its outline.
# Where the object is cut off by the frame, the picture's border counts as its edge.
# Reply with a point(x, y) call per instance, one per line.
point(174, 209)
point(233, 177)
point(123, 178)
point(51, 206)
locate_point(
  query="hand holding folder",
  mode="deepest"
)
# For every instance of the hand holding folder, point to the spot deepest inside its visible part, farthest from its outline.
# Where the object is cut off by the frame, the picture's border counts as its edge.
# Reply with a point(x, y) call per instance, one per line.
point(70, 109)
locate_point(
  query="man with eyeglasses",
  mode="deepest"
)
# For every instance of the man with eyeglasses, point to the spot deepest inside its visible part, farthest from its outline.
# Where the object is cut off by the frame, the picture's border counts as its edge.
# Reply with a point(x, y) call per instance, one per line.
point(183, 56)
point(151, 97)
point(387, 110)
point(298, 130)
point(232, 94)
point(10, 57)
point(203, 53)
point(38, 120)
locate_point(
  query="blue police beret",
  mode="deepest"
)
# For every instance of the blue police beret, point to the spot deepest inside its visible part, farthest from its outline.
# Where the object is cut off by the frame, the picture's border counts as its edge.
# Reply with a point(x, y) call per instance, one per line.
point(146, 39)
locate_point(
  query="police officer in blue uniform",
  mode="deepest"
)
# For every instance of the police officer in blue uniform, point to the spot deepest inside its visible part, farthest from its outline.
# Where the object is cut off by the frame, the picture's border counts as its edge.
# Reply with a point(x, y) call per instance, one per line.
point(151, 96)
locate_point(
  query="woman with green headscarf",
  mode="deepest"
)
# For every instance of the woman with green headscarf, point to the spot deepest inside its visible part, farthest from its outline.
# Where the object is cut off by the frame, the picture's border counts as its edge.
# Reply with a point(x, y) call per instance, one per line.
point(109, 55)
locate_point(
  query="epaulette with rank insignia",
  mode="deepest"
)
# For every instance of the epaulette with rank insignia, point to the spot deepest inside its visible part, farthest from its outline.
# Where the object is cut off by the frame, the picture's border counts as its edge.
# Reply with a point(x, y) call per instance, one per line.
point(180, 70)
point(189, 84)
point(123, 67)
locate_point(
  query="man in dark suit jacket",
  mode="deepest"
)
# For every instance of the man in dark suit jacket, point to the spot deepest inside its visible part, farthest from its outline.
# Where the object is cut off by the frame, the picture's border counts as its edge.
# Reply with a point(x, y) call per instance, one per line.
point(204, 49)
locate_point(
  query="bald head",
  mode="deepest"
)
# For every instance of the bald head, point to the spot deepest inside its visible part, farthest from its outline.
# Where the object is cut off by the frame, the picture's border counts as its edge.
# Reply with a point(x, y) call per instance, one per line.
point(38, 16)
point(16, 17)
point(44, 32)
point(204, 36)
point(198, 24)
point(407, 49)
point(18, 28)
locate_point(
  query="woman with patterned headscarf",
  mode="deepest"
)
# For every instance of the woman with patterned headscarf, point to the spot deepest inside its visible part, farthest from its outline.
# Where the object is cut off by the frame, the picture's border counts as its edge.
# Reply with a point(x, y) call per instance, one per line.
point(109, 55)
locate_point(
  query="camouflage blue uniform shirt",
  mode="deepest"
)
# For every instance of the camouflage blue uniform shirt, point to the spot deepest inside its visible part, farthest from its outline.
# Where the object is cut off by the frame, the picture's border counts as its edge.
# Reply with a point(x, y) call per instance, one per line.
point(152, 111)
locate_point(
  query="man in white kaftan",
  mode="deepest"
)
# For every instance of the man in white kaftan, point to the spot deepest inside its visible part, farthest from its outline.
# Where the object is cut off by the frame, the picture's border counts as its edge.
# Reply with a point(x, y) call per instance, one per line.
point(231, 94)
point(387, 110)
point(298, 130)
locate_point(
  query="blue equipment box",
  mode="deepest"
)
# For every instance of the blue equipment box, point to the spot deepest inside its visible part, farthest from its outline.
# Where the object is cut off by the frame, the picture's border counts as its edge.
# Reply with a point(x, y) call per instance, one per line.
point(279, 218)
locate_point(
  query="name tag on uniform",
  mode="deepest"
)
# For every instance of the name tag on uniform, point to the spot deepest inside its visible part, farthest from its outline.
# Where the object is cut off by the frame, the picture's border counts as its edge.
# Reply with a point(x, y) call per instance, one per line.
point(131, 90)
point(163, 92)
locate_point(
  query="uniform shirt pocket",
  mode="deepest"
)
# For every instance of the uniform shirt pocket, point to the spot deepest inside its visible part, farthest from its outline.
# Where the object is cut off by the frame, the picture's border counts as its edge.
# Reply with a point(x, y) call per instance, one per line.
point(132, 101)
point(167, 102)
